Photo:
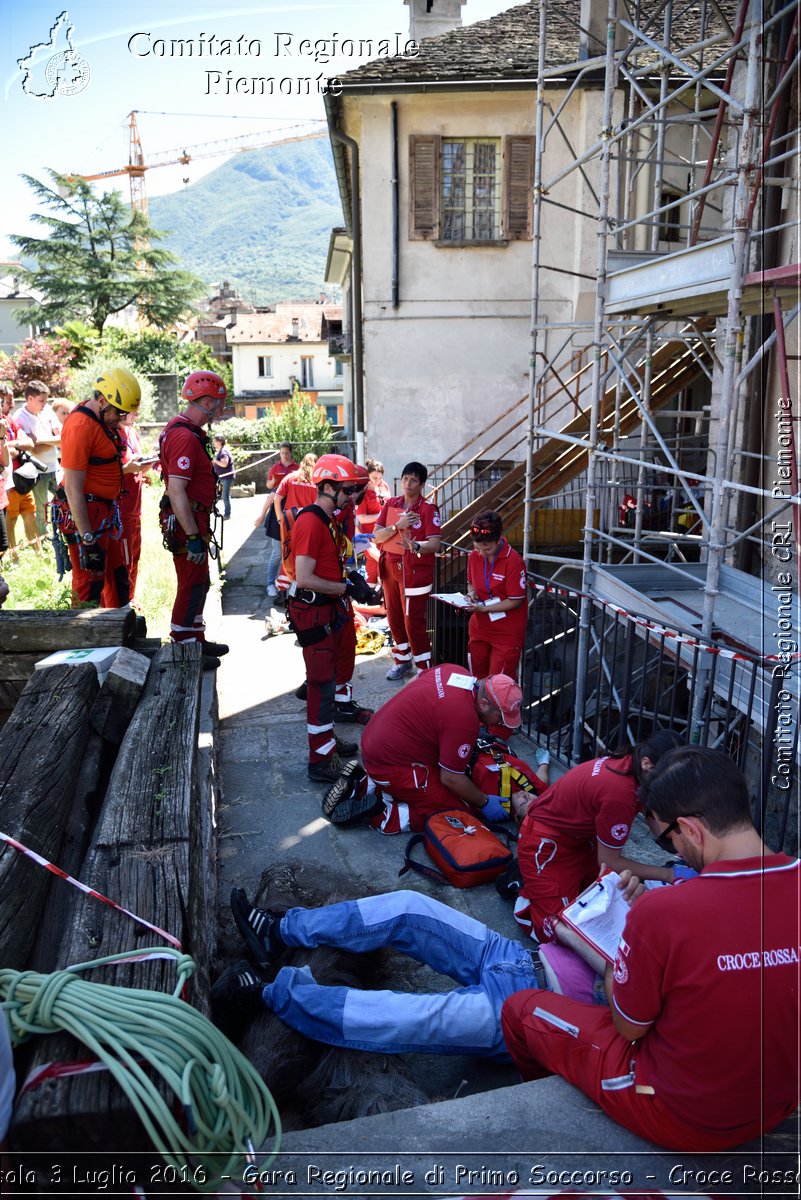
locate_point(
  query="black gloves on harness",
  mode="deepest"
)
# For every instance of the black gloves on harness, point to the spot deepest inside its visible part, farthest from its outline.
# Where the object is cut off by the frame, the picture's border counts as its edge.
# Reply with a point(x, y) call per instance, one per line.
point(359, 589)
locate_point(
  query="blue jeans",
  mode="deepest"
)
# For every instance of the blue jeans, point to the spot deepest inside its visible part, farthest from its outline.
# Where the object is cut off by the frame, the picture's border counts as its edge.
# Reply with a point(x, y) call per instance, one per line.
point(273, 560)
point(465, 1020)
point(225, 484)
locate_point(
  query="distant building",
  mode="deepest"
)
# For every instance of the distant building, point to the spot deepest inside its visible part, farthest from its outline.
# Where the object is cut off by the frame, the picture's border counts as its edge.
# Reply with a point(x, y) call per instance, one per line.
point(14, 295)
point(222, 310)
point(271, 349)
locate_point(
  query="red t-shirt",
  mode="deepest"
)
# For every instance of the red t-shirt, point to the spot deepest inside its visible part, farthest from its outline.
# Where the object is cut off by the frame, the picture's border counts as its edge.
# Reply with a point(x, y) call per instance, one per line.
point(278, 471)
point(503, 577)
point(83, 438)
point(425, 525)
point(370, 506)
point(295, 493)
point(712, 967)
point(596, 799)
point(314, 539)
point(432, 721)
point(182, 453)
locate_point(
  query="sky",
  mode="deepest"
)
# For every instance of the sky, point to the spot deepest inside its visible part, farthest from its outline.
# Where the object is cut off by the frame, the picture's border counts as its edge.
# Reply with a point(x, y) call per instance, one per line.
point(71, 112)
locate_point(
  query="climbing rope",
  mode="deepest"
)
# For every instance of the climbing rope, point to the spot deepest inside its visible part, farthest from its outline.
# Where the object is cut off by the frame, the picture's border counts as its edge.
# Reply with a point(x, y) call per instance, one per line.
point(225, 1105)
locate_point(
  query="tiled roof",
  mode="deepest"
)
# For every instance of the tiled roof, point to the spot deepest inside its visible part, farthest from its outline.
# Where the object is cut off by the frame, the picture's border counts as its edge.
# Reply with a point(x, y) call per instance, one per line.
point(505, 47)
point(276, 327)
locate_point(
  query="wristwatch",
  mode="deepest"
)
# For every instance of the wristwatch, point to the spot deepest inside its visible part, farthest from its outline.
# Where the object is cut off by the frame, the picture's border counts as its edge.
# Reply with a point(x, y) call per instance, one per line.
point(88, 539)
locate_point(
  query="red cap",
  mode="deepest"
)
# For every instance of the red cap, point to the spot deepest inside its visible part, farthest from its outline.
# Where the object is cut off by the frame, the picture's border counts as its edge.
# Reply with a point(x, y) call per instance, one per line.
point(507, 696)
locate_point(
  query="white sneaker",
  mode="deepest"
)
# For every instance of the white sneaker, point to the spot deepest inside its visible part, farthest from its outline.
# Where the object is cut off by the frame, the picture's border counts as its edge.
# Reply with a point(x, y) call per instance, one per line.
point(399, 671)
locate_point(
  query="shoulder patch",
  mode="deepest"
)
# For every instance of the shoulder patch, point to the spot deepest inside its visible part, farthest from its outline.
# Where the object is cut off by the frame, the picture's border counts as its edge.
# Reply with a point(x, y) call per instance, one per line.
point(184, 463)
point(620, 832)
point(464, 750)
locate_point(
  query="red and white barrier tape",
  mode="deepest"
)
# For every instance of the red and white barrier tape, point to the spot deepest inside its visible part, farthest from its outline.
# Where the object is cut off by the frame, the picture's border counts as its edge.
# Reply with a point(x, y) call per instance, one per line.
point(82, 887)
point(663, 631)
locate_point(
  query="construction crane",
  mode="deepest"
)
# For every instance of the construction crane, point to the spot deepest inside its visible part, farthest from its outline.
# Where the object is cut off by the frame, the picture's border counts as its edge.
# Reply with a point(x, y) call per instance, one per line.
point(138, 165)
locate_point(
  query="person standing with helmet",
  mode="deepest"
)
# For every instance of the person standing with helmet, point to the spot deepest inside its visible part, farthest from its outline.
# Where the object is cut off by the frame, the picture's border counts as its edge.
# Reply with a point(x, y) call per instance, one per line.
point(319, 608)
point(191, 488)
point(86, 506)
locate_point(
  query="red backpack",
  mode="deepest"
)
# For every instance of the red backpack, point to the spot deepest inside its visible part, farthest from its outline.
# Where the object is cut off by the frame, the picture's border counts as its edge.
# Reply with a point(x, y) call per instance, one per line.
point(464, 850)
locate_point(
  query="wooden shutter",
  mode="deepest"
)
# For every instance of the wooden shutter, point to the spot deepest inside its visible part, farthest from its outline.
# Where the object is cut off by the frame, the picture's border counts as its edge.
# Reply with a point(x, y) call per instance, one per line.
point(518, 181)
point(423, 186)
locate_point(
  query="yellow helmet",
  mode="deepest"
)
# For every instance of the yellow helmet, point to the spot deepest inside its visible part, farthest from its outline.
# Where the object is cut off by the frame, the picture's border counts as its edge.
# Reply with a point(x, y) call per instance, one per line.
point(120, 388)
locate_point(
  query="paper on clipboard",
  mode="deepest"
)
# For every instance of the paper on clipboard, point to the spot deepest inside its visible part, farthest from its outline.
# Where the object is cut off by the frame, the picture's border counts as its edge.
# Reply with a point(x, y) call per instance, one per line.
point(455, 599)
point(599, 914)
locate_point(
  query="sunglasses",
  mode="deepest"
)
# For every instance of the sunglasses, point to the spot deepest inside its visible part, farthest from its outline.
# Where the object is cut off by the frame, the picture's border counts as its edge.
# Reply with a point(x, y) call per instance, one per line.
point(351, 490)
point(663, 839)
point(483, 534)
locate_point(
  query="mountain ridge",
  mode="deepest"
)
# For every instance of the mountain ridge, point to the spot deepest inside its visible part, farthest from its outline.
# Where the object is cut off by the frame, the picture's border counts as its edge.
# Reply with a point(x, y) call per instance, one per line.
point(261, 220)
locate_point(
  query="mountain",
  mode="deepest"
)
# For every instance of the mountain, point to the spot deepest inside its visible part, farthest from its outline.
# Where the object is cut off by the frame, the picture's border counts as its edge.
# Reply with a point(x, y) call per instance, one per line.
point(262, 221)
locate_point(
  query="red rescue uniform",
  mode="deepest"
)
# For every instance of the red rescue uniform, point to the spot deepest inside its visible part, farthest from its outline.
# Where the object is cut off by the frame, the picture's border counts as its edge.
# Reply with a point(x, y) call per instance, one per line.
point(432, 723)
point(88, 445)
point(408, 580)
point(557, 851)
point(367, 512)
point(496, 639)
point(326, 624)
point(710, 968)
point(183, 452)
point(277, 472)
point(130, 503)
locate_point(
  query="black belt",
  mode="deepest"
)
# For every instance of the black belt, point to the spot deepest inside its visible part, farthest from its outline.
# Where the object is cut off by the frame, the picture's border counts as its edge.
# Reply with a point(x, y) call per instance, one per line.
point(98, 499)
point(307, 596)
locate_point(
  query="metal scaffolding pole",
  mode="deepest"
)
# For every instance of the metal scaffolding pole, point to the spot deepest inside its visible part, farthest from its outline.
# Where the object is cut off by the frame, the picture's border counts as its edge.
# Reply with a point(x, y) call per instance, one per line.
point(610, 81)
point(536, 240)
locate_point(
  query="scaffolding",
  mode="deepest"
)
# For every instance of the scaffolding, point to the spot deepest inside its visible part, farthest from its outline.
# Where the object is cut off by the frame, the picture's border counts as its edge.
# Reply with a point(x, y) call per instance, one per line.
point(705, 263)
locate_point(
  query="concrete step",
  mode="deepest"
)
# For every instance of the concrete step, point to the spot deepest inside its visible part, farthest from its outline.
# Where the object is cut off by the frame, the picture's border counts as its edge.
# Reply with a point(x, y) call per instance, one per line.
point(545, 1134)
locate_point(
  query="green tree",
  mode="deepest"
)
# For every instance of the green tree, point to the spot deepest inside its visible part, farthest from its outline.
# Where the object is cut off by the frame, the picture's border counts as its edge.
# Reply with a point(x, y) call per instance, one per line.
point(156, 351)
point(97, 258)
point(297, 421)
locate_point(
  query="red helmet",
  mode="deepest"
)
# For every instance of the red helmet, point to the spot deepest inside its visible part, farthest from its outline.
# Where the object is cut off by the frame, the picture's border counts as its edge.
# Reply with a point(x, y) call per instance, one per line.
point(334, 468)
point(203, 383)
point(362, 474)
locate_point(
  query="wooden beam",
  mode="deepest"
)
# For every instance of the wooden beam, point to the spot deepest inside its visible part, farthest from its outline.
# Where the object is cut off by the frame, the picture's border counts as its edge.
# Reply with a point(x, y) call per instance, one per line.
point(41, 748)
point(43, 630)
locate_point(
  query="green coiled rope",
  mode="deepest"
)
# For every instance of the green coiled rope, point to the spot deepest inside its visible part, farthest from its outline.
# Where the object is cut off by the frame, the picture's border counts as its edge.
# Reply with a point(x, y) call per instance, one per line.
point(227, 1107)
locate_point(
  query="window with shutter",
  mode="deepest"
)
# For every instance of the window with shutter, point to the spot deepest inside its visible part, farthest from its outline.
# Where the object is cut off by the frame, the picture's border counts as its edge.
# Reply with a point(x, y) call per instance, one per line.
point(471, 189)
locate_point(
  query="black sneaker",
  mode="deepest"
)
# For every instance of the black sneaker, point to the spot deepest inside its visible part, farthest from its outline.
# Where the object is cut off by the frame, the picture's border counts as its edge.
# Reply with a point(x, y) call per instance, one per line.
point(328, 770)
point(349, 711)
point(240, 986)
point(260, 928)
point(346, 749)
point(214, 649)
point(359, 806)
point(210, 664)
point(300, 692)
point(344, 787)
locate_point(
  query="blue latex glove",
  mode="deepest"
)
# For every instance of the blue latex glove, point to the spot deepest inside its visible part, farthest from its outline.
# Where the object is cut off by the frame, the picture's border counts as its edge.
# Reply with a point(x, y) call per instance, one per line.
point(494, 810)
point(681, 872)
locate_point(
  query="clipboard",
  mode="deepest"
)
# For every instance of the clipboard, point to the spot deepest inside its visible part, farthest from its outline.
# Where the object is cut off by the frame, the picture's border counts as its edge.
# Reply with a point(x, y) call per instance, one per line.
point(598, 915)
